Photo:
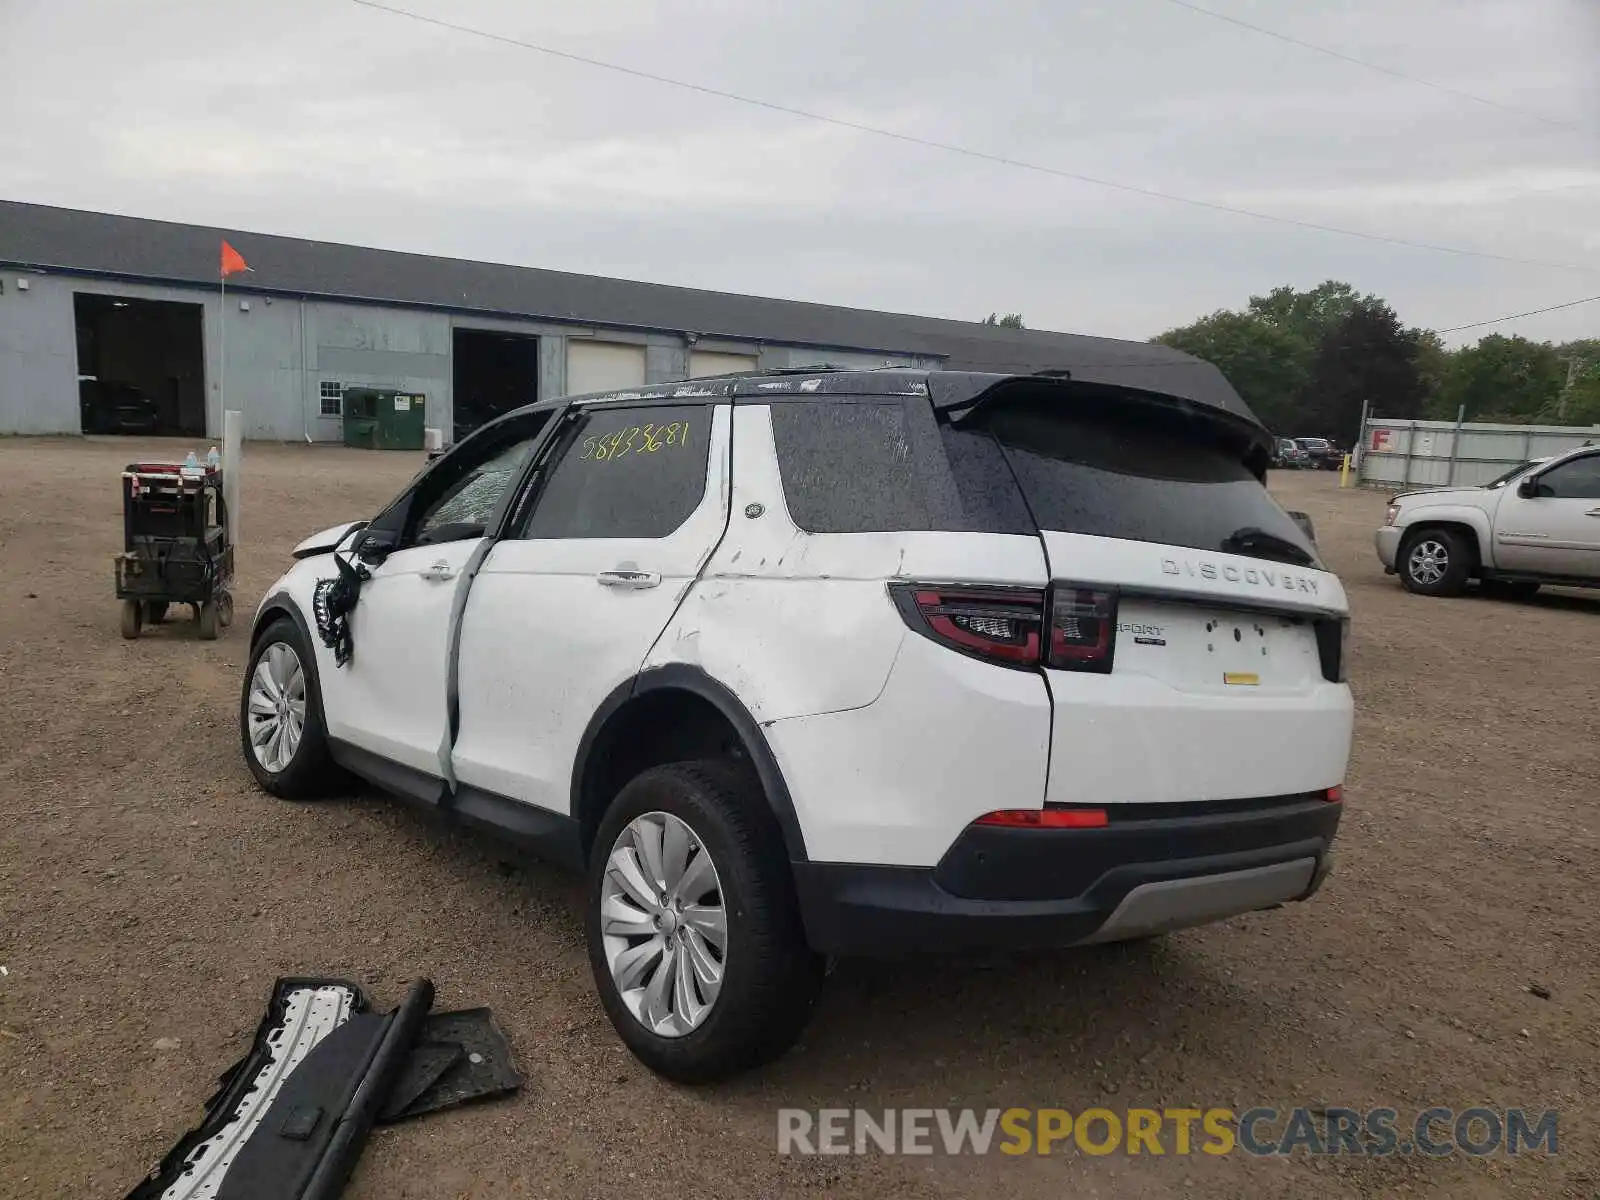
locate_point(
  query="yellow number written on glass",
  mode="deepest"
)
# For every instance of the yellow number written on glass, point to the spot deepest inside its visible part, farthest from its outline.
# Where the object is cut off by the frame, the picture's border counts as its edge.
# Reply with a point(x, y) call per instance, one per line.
point(635, 439)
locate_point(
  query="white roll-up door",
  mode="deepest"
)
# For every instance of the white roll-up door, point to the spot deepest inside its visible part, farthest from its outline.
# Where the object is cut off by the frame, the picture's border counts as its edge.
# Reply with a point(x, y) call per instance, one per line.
point(714, 362)
point(603, 366)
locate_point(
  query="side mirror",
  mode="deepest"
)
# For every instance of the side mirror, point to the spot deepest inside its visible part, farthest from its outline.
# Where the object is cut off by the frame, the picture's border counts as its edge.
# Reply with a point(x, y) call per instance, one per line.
point(1529, 487)
point(375, 545)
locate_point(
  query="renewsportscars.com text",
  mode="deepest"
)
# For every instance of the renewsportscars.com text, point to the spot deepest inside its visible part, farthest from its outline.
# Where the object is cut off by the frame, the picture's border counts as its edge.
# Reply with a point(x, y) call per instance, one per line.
point(1260, 1132)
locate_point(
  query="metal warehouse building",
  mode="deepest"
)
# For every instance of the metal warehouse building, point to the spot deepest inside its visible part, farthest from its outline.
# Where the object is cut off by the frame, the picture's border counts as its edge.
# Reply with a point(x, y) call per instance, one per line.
point(112, 323)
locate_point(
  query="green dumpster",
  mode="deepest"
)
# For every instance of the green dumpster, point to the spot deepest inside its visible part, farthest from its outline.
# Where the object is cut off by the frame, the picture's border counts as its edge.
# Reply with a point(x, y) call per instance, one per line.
point(384, 419)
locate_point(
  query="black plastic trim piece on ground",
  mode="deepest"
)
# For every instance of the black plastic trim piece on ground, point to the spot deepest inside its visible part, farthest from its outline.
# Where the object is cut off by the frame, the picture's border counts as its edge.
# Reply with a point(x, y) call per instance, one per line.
point(309, 1139)
point(350, 1135)
point(233, 1084)
point(480, 1069)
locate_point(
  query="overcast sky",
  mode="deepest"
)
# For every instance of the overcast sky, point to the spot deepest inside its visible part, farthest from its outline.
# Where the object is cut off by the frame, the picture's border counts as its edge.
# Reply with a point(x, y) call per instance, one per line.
point(322, 119)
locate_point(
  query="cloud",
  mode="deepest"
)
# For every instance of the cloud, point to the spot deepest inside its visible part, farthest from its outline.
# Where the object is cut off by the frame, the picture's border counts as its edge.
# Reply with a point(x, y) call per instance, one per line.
point(324, 119)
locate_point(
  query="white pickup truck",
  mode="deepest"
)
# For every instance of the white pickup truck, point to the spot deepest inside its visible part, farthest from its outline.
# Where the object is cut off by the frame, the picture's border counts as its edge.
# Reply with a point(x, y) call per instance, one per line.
point(1536, 524)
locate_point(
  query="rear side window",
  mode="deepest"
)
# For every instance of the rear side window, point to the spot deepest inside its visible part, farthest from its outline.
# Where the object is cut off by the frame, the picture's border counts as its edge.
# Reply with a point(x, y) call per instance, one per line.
point(1131, 471)
point(626, 473)
point(848, 466)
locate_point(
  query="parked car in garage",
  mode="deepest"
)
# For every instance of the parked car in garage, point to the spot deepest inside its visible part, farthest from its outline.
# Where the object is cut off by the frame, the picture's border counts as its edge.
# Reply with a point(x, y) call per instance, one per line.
point(834, 663)
point(1538, 523)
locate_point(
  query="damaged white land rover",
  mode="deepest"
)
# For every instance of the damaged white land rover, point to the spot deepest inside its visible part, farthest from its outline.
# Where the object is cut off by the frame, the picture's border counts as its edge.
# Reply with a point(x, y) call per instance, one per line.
point(837, 663)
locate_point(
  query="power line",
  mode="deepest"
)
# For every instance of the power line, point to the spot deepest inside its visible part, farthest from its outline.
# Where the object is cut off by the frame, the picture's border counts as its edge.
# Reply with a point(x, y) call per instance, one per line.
point(1532, 312)
point(1382, 70)
point(965, 151)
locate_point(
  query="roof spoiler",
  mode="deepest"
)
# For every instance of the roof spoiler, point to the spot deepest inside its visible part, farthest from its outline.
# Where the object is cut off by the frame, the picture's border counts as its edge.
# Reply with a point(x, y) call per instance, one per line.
point(961, 399)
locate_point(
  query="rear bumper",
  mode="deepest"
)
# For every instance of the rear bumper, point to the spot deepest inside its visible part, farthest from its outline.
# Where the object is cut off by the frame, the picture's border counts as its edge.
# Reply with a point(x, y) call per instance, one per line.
point(1147, 872)
point(1387, 542)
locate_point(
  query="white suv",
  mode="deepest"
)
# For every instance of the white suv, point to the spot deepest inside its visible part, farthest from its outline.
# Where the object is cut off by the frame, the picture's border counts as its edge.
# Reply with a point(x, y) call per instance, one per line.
point(836, 663)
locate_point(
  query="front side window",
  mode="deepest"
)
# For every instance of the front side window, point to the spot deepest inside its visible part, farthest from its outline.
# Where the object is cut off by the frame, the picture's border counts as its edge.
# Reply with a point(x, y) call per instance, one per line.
point(467, 504)
point(625, 473)
point(1578, 479)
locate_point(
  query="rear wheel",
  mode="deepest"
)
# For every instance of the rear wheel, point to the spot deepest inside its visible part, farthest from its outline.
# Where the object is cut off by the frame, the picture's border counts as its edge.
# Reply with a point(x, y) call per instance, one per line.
point(280, 717)
point(208, 620)
point(694, 932)
point(1435, 562)
point(132, 619)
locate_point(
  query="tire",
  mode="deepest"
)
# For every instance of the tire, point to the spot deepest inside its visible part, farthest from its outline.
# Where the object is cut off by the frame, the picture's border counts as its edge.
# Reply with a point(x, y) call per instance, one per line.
point(155, 612)
point(208, 621)
point(308, 771)
point(225, 609)
point(1501, 589)
point(132, 619)
point(1434, 562)
point(769, 977)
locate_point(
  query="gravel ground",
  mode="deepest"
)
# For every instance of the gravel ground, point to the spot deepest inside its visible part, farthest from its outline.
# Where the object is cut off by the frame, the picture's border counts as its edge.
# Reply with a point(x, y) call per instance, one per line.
point(149, 892)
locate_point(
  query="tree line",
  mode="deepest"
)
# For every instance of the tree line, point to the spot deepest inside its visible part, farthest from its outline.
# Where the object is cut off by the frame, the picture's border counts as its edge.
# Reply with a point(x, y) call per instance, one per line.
point(1307, 361)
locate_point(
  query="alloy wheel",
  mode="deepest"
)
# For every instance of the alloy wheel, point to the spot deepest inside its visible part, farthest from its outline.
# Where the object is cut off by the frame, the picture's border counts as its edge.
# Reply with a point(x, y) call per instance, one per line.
point(664, 924)
point(1429, 561)
point(277, 707)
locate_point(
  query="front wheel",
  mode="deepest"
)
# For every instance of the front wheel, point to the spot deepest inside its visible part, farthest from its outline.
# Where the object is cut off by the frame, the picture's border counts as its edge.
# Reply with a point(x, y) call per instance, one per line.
point(694, 931)
point(280, 717)
point(1435, 562)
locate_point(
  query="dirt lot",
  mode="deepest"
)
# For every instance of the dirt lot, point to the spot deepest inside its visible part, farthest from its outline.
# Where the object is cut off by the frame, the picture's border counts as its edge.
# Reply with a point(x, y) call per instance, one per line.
point(148, 891)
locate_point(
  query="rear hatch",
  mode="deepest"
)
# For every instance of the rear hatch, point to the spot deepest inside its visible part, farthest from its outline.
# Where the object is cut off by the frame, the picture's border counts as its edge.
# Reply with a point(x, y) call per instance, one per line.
point(1195, 645)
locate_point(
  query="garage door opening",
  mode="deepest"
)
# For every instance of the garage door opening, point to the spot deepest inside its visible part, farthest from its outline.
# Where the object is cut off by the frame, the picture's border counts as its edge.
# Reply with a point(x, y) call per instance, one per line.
point(703, 363)
point(490, 374)
point(141, 366)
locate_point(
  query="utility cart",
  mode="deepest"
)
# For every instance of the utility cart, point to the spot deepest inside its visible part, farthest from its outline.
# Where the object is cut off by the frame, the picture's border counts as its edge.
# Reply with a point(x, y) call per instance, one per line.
point(175, 547)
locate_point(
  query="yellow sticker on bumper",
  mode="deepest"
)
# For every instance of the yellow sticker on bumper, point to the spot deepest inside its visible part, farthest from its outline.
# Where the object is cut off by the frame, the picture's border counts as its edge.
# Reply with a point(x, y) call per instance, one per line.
point(1241, 678)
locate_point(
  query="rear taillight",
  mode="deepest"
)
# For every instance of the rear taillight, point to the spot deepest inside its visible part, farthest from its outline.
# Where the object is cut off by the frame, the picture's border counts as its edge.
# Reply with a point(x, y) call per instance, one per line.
point(1335, 794)
point(1083, 623)
point(1333, 648)
point(1045, 818)
point(1006, 625)
point(997, 624)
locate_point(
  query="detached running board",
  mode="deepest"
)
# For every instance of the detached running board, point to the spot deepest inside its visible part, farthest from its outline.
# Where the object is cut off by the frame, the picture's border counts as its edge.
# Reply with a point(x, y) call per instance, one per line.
point(288, 1122)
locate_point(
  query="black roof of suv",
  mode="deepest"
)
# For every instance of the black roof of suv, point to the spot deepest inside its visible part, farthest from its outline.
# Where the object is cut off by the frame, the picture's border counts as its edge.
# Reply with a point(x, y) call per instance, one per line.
point(948, 390)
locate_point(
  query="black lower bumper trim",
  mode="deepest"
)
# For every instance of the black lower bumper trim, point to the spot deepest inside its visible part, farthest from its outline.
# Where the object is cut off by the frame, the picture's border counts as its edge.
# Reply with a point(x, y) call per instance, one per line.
point(1057, 887)
point(998, 863)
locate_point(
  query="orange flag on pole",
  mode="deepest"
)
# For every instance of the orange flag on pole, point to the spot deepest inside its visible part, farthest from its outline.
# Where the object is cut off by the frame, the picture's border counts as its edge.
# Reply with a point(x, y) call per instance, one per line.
point(232, 261)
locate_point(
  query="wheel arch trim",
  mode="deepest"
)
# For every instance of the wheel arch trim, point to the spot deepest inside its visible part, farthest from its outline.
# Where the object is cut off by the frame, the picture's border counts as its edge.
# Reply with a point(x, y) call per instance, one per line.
point(696, 682)
point(1474, 523)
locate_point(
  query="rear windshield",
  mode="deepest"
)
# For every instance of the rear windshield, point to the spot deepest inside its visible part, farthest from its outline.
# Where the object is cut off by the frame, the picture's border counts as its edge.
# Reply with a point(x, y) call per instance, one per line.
point(1135, 472)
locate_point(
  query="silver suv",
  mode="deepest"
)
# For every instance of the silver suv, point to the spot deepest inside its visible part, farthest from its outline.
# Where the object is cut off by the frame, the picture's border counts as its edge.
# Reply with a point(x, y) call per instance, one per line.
point(1538, 523)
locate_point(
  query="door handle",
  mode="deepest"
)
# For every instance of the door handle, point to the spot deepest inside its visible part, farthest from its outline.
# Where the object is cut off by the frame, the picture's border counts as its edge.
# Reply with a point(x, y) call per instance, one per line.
point(440, 572)
point(628, 579)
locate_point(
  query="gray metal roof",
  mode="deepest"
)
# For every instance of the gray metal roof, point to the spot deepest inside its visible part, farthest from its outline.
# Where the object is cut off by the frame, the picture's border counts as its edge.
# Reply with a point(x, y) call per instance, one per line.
point(42, 238)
